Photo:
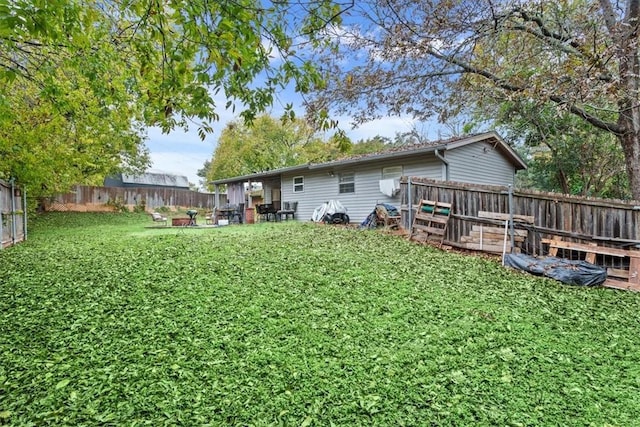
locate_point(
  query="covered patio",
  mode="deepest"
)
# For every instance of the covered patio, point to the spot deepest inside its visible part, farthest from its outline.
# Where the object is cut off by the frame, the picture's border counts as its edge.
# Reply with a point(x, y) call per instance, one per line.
point(256, 197)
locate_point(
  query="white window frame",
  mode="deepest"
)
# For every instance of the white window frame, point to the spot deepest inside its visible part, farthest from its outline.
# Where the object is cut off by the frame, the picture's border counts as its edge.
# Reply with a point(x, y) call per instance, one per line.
point(392, 172)
point(342, 182)
point(298, 187)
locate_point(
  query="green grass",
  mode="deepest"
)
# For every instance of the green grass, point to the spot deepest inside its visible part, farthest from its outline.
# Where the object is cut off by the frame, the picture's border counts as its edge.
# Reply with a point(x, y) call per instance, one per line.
point(104, 322)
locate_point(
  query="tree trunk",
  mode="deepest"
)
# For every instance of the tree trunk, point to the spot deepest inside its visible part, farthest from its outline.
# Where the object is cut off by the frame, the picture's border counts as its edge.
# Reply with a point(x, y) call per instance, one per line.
point(627, 37)
point(630, 142)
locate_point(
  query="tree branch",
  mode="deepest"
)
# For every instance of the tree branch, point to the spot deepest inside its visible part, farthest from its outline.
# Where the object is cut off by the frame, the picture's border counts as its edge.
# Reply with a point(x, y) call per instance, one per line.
point(590, 118)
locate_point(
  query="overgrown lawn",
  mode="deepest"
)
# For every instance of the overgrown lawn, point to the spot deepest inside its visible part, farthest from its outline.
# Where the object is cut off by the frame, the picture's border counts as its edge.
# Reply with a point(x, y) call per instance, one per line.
point(105, 322)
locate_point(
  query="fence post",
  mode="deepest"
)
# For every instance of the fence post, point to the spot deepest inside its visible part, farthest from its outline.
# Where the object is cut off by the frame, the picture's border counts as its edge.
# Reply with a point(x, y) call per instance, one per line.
point(2, 188)
point(511, 227)
point(24, 213)
point(14, 231)
point(409, 203)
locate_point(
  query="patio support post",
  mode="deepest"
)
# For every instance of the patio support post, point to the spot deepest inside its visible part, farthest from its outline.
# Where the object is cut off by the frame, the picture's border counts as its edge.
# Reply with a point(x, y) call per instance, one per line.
point(216, 196)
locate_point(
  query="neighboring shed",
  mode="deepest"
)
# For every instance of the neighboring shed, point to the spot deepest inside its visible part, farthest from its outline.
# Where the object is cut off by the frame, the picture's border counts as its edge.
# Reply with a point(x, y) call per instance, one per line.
point(151, 178)
point(361, 182)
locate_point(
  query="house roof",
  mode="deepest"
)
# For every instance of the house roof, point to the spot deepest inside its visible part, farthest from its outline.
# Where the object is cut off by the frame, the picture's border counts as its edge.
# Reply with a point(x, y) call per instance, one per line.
point(397, 152)
point(157, 178)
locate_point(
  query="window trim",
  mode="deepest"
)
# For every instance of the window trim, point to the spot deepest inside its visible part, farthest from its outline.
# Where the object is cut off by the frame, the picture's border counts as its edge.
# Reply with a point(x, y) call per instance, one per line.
point(389, 173)
point(299, 184)
point(341, 177)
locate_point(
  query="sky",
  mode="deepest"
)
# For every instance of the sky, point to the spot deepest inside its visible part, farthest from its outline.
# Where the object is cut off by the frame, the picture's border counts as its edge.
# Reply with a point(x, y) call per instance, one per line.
point(183, 153)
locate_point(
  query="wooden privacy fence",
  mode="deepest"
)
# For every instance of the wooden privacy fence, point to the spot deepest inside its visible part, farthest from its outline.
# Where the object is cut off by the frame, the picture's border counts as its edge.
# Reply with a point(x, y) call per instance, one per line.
point(97, 199)
point(599, 231)
point(602, 232)
point(612, 223)
point(13, 216)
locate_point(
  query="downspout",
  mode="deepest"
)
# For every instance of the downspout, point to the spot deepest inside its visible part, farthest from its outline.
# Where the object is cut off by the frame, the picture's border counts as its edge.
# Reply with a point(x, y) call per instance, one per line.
point(444, 162)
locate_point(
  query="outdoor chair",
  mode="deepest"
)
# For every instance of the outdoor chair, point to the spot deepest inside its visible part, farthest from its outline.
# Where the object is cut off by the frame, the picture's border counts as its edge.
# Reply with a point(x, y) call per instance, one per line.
point(157, 217)
point(236, 215)
point(263, 212)
point(288, 208)
point(388, 216)
point(210, 218)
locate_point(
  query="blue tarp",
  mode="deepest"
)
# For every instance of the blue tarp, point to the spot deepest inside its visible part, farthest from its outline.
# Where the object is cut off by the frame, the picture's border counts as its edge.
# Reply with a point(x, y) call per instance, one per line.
point(572, 272)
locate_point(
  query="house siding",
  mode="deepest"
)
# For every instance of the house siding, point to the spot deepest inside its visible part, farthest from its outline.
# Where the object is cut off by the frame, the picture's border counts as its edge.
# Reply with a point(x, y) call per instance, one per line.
point(479, 163)
point(320, 186)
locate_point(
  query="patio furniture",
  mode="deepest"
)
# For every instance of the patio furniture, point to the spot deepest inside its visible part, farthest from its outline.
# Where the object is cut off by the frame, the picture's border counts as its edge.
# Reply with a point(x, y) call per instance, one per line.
point(180, 222)
point(288, 208)
point(157, 217)
point(231, 213)
point(266, 211)
point(388, 216)
point(210, 218)
point(236, 215)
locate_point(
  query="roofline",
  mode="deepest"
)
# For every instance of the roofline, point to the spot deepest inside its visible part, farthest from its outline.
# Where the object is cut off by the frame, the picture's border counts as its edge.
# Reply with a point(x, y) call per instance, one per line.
point(258, 175)
point(381, 156)
point(507, 149)
point(460, 142)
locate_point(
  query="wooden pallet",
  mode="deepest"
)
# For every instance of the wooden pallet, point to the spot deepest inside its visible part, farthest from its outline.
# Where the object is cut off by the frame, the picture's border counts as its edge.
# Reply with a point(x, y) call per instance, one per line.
point(617, 278)
point(431, 221)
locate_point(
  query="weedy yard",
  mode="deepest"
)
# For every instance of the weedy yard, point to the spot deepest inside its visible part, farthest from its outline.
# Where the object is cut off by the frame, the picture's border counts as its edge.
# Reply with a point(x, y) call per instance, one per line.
point(104, 322)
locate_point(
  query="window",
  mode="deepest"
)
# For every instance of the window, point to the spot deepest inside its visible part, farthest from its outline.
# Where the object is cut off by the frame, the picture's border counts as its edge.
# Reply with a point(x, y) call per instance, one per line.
point(298, 184)
point(347, 183)
point(392, 172)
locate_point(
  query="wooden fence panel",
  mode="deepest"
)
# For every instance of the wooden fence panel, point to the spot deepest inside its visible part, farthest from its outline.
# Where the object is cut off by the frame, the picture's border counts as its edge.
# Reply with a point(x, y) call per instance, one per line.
point(12, 215)
point(97, 199)
point(608, 222)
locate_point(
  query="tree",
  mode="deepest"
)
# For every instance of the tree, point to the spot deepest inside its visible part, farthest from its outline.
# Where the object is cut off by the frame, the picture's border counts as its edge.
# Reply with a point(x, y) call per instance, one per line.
point(136, 63)
point(51, 152)
point(564, 153)
point(581, 56)
point(370, 145)
point(203, 172)
point(268, 144)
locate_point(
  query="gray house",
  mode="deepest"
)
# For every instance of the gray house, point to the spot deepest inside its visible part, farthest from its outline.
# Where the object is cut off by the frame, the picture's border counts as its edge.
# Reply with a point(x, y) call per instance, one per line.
point(361, 182)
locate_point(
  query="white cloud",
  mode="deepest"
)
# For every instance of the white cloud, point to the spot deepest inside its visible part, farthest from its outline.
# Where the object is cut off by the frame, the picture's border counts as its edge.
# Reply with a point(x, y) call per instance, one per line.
point(181, 153)
point(386, 126)
point(179, 164)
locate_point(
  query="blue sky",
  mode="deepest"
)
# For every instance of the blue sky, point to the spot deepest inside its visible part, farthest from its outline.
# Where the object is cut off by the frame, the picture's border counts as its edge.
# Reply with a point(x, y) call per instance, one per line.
point(184, 153)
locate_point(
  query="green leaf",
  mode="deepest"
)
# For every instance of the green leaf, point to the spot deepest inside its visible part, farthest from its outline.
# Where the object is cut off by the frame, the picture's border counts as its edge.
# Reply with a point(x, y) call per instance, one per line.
point(62, 384)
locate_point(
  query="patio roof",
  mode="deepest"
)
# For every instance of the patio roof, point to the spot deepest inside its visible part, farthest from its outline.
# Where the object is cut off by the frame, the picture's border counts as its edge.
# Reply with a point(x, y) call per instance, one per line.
point(258, 176)
point(399, 152)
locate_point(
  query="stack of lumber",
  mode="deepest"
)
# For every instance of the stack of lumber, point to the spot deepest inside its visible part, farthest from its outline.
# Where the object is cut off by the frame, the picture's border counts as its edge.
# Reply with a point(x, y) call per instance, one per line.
point(491, 238)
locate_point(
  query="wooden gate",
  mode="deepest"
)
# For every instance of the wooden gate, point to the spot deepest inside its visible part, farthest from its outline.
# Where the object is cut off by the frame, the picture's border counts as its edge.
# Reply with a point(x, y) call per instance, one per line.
point(13, 214)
